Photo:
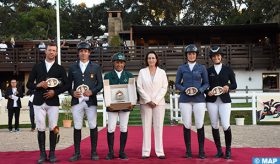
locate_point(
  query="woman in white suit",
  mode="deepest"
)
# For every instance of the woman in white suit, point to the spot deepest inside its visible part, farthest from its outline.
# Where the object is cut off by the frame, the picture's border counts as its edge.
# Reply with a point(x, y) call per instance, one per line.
point(152, 86)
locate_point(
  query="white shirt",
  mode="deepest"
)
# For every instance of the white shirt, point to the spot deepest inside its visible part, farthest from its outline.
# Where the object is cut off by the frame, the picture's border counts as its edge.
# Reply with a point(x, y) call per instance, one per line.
point(218, 68)
point(119, 73)
point(3, 46)
point(83, 66)
point(31, 98)
point(191, 65)
point(48, 65)
point(15, 98)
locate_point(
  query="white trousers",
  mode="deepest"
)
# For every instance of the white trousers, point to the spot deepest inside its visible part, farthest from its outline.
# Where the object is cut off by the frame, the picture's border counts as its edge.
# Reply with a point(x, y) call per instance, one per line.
point(40, 116)
point(79, 111)
point(221, 109)
point(152, 117)
point(186, 112)
point(113, 118)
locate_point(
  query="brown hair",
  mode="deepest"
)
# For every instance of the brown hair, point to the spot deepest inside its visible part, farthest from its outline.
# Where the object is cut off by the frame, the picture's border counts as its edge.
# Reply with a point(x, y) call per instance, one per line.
point(51, 44)
point(146, 58)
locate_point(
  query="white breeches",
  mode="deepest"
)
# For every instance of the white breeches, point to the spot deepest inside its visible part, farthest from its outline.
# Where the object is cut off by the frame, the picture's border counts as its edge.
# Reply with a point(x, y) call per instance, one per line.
point(186, 112)
point(113, 118)
point(219, 109)
point(152, 117)
point(79, 111)
point(40, 116)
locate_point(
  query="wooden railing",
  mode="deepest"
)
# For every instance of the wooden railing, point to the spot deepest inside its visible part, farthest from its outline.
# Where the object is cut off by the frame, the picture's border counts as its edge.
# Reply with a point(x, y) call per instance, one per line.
point(238, 56)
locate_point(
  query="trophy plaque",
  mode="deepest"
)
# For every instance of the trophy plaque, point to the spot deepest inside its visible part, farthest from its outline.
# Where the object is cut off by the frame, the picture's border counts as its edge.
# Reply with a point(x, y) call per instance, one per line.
point(52, 82)
point(120, 96)
point(82, 88)
point(191, 91)
point(218, 90)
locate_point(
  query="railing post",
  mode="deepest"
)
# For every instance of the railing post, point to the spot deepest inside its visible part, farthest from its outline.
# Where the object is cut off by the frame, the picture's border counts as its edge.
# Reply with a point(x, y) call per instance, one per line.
point(171, 106)
point(104, 113)
point(176, 107)
point(246, 91)
point(254, 117)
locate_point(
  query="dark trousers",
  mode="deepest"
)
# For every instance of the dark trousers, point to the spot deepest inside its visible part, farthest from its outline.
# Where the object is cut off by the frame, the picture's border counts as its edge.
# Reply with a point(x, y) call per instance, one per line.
point(11, 112)
point(31, 114)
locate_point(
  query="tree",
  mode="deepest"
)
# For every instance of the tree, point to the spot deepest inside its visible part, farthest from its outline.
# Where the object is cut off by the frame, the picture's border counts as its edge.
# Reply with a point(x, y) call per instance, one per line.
point(206, 12)
point(38, 23)
point(254, 11)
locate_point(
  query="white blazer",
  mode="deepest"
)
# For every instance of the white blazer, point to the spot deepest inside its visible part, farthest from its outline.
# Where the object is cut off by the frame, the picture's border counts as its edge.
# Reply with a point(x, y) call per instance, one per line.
point(152, 90)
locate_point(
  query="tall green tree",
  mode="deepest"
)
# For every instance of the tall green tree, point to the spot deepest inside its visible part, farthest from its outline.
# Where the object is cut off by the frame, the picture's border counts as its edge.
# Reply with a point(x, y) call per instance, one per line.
point(38, 23)
point(252, 11)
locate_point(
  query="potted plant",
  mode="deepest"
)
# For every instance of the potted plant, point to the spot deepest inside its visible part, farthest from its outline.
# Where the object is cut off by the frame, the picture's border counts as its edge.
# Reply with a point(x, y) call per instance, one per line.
point(239, 119)
point(66, 107)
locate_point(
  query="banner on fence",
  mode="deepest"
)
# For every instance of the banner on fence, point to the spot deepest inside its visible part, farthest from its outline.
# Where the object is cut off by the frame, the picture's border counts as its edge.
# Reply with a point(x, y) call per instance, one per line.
point(268, 108)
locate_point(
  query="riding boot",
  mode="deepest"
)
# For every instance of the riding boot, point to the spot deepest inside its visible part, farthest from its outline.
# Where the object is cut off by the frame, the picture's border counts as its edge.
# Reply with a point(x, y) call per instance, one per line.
point(53, 138)
point(77, 141)
point(216, 136)
point(123, 138)
point(41, 141)
point(200, 137)
point(110, 140)
point(187, 139)
point(93, 139)
point(228, 143)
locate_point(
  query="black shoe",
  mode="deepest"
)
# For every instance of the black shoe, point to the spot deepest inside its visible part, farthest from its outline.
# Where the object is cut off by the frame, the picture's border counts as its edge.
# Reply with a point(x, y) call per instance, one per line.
point(228, 154)
point(201, 155)
point(41, 141)
point(52, 157)
point(201, 138)
point(161, 157)
point(93, 140)
point(53, 139)
point(75, 157)
point(110, 156)
point(122, 155)
point(219, 154)
point(43, 158)
point(187, 140)
point(188, 155)
point(123, 138)
point(228, 139)
point(94, 156)
point(110, 141)
point(145, 157)
point(216, 136)
point(77, 140)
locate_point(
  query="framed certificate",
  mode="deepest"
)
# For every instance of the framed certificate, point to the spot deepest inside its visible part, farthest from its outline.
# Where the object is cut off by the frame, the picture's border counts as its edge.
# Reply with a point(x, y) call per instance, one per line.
point(121, 96)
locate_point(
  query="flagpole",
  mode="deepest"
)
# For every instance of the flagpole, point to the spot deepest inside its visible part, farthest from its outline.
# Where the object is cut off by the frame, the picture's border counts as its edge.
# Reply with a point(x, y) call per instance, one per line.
point(58, 33)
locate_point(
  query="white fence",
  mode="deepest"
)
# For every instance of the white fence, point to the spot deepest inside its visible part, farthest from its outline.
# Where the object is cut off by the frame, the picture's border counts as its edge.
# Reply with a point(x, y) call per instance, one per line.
point(100, 102)
point(24, 113)
point(253, 97)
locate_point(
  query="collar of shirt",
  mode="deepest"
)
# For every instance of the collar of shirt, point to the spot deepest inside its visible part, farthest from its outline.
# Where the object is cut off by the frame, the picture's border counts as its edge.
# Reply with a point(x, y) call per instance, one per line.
point(119, 73)
point(48, 65)
point(218, 67)
point(14, 90)
point(83, 66)
point(191, 65)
